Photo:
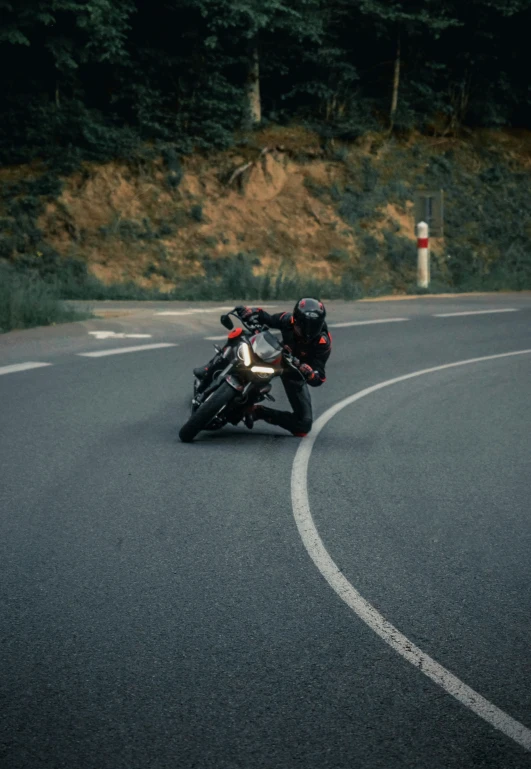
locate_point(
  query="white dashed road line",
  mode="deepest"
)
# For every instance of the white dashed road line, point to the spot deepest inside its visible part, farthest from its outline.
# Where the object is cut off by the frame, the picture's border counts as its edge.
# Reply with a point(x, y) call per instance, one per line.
point(102, 335)
point(118, 335)
point(223, 337)
point(348, 324)
point(472, 312)
point(367, 322)
point(332, 325)
point(121, 350)
point(198, 310)
point(193, 311)
point(21, 367)
point(362, 608)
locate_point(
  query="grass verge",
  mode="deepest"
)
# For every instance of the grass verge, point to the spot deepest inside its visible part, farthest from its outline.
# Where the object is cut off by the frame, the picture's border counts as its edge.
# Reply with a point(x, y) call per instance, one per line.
point(27, 301)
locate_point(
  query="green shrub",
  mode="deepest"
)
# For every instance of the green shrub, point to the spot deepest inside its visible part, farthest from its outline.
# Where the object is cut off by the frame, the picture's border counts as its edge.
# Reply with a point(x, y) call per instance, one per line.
point(165, 230)
point(338, 256)
point(400, 253)
point(174, 166)
point(350, 287)
point(7, 246)
point(233, 278)
point(27, 301)
point(196, 213)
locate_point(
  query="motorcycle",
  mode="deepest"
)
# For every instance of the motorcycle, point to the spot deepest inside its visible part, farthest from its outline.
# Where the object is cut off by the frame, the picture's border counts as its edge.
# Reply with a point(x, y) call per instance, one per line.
point(254, 357)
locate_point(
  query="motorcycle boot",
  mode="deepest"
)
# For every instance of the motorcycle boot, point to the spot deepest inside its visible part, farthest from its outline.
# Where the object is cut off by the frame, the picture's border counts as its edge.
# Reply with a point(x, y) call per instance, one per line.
point(260, 412)
point(205, 373)
point(249, 417)
point(298, 426)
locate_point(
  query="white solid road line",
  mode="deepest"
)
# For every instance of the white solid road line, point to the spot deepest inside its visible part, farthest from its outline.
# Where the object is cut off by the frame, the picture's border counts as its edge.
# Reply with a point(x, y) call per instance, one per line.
point(21, 367)
point(365, 611)
point(367, 322)
point(472, 312)
point(121, 350)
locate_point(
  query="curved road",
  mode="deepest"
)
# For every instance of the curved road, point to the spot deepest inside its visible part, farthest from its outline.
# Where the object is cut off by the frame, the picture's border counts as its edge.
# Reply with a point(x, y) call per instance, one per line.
point(159, 608)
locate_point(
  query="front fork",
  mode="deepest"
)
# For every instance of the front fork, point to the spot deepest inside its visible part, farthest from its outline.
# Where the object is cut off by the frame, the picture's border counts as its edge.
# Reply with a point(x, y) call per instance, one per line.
point(262, 392)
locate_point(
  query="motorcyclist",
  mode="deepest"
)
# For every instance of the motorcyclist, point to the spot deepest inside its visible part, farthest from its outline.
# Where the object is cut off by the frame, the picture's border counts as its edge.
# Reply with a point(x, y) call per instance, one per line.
point(305, 333)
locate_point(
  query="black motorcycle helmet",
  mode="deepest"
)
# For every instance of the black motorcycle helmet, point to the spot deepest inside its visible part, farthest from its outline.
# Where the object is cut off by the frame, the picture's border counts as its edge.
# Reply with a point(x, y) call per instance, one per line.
point(309, 317)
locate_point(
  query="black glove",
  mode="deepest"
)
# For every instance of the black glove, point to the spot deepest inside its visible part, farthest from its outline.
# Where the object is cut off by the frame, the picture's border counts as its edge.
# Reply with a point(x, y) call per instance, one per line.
point(247, 313)
point(307, 372)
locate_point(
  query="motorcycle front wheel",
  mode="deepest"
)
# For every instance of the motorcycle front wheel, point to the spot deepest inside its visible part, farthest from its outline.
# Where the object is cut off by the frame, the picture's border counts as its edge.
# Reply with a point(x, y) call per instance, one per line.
point(206, 412)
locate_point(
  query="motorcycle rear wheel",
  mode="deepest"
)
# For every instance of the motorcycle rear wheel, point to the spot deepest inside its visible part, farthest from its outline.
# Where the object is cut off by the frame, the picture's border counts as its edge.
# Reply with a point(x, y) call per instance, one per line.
point(206, 412)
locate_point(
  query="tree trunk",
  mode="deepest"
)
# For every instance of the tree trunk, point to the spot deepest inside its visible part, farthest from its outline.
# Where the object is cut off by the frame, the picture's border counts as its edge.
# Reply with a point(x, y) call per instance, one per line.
point(396, 83)
point(253, 88)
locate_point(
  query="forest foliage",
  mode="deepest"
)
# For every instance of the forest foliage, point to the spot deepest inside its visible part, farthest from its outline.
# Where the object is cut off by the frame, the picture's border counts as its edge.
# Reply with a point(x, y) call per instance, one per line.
point(98, 78)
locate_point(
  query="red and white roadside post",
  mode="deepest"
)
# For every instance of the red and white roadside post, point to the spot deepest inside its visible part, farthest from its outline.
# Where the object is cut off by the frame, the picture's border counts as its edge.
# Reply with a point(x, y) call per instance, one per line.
point(423, 256)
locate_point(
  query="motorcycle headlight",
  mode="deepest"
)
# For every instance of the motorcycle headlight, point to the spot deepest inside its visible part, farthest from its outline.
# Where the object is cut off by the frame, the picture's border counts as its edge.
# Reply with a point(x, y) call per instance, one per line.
point(244, 354)
point(263, 370)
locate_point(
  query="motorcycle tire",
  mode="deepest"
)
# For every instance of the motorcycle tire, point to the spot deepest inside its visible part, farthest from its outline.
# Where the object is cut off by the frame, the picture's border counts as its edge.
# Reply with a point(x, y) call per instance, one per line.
point(206, 412)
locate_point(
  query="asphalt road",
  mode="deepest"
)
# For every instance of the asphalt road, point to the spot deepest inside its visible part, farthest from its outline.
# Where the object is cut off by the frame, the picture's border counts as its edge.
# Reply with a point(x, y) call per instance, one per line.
point(159, 608)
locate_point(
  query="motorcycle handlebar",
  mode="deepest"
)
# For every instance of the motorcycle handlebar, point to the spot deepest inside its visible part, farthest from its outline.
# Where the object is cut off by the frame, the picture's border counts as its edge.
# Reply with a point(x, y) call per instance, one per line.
point(250, 326)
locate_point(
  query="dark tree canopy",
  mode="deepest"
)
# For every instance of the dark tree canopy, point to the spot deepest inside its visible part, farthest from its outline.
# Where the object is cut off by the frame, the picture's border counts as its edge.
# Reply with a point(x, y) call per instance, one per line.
point(98, 76)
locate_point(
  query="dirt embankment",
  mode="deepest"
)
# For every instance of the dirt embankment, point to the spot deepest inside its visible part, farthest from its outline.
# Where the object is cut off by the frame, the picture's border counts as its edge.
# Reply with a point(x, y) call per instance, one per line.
point(291, 205)
point(156, 225)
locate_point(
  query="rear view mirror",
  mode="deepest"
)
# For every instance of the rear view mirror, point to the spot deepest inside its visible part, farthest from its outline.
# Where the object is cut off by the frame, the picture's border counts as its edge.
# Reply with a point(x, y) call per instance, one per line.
point(227, 322)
